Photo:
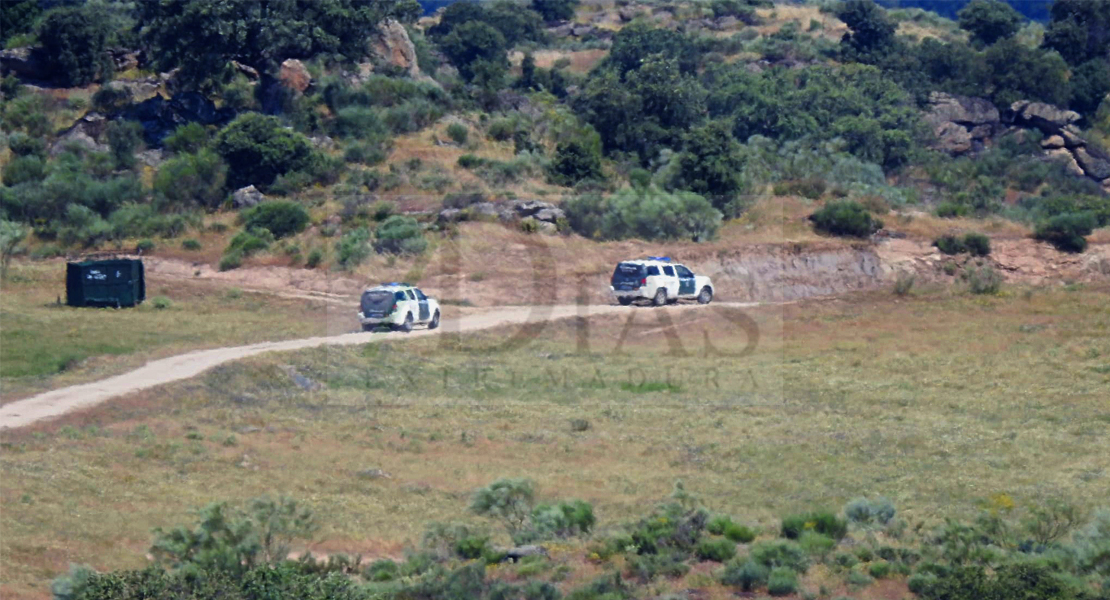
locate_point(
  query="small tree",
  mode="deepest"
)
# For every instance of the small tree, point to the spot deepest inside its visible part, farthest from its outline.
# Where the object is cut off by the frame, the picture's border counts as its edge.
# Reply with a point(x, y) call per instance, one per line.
point(508, 500)
point(1067, 232)
point(575, 161)
point(555, 10)
point(845, 217)
point(74, 40)
point(11, 236)
point(280, 217)
point(990, 20)
point(400, 235)
point(258, 149)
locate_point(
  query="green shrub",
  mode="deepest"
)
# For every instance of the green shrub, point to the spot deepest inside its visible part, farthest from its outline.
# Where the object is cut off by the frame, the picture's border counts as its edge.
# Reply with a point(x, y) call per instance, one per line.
point(846, 218)
point(400, 235)
point(821, 521)
point(739, 533)
point(983, 280)
point(380, 570)
point(646, 567)
point(904, 283)
point(716, 550)
point(315, 257)
point(780, 553)
point(782, 582)
point(922, 583)
point(977, 244)
point(22, 144)
point(717, 524)
point(352, 248)
point(161, 302)
point(1067, 232)
point(575, 161)
point(190, 244)
point(816, 544)
point(187, 138)
point(457, 132)
point(282, 218)
point(231, 260)
point(859, 579)
point(863, 511)
point(809, 187)
point(470, 161)
point(245, 243)
point(563, 519)
point(879, 570)
point(649, 213)
point(748, 575)
point(144, 246)
point(501, 129)
point(258, 149)
point(73, 42)
point(950, 244)
point(845, 560)
point(24, 169)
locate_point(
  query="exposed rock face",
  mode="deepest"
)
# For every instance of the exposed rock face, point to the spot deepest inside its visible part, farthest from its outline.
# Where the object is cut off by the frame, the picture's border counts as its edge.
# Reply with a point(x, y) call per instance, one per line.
point(1052, 142)
point(960, 121)
point(160, 117)
point(1069, 161)
point(294, 75)
point(85, 132)
point(515, 554)
point(247, 197)
point(124, 59)
point(1045, 117)
point(1094, 162)
point(391, 45)
point(137, 88)
point(22, 62)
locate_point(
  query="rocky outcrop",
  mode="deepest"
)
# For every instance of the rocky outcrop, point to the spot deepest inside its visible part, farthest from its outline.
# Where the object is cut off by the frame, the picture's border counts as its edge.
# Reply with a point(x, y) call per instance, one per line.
point(247, 197)
point(1046, 117)
point(960, 123)
point(390, 44)
point(160, 117)
point(21, 62)
point(294, 76)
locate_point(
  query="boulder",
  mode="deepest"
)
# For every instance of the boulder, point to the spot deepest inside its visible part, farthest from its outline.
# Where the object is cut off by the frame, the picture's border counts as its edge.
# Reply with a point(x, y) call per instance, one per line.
point(540, 226)
point(391, 45)
point(76, 137)
point(528, 208)
point(1094, 163)
point(1069, 161)
point(964, 110)
point(137, 88)
point(550, 215)
point(1072, 137)
point(450, 215)
point(487, 209)
point(124, 59)
point(247, 197)
point(294, 75)
point(952, 138)
point(1052, 142)
point(1045, 117)
point(22, 62)
point(562, 31)
point(515, 554)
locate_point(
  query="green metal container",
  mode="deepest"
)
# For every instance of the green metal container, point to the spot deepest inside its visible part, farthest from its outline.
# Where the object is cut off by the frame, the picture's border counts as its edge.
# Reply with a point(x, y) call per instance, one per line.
point(117, 282)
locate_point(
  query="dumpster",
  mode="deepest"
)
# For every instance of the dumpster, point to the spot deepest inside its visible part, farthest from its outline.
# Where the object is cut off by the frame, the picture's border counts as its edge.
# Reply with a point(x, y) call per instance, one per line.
point(116, 282)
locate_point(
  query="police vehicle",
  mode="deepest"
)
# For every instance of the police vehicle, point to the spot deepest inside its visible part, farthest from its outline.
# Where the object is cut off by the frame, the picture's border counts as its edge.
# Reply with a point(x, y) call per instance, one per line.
point(397, 306)
point(659, 280)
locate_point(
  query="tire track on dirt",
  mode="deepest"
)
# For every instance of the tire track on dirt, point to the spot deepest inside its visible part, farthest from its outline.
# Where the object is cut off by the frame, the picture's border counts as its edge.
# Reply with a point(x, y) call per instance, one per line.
point(55, 403)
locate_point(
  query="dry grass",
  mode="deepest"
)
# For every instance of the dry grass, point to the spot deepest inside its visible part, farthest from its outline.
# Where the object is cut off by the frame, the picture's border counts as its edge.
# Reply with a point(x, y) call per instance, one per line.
point(46, 345)
point(936, 402)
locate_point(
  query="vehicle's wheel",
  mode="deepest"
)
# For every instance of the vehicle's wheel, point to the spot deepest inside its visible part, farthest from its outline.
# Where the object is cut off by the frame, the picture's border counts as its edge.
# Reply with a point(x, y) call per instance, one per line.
point(706, 295)
point(407, 325)
point(660, 297)
point(435, 321)
point(625, 301)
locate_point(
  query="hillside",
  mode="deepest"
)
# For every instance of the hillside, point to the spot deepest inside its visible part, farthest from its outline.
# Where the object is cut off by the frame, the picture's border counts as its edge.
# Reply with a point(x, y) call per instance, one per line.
point(898, 391)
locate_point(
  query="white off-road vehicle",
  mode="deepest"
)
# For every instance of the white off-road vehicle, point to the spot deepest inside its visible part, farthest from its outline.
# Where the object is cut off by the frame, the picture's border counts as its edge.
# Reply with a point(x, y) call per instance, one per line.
point(659, 280)
point(398, 306)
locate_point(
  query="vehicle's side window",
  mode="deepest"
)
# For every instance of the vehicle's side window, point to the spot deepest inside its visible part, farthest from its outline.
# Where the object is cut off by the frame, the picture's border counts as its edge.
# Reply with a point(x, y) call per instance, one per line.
point(652, 270)
point(412, 296)
point(420, 295)
point(683, 271)
point(668, 271)
point(398, 295)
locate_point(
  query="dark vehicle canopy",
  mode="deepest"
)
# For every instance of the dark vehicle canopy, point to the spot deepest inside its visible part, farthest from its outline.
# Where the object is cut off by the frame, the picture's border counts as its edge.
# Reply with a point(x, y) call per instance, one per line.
point(628, 275)
point(377, 301)
point(116, 282)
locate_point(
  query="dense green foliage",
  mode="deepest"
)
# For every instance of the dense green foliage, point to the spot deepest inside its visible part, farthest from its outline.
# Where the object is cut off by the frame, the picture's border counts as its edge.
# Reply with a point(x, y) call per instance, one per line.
point(280, 217)
point(647, 213)
point(258, 149)
point(74, 40)
point(845, 217)
point(400, 235)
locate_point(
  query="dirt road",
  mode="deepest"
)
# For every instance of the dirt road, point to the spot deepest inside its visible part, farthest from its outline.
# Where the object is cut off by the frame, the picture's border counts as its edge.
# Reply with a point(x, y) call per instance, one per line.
point(183, 366)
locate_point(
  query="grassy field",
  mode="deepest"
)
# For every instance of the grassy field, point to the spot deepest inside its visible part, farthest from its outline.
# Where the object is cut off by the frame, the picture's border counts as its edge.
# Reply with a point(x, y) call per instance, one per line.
point(937, 401)
point(45, 345)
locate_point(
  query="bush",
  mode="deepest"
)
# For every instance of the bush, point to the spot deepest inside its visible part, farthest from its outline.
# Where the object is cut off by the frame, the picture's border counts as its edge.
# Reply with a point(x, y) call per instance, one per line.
point(666, 564)
point(74, 42)
point(739, 533)
point(809, 187)
point(457, 132)
point(922, 583)
point(904, 283)
point(190, 244)
point(24, 169)
point(470, 161)
point(187, 138)
point(575, 162)
point(977, 244)
point(352, 248)
point(846, 218)
point(950, 244)
point(879, 570)
point(983, 280)
point(315, 257)
point(649, 213)
point(1067, 232)
point(400, 235)
point(22, 144)
point(161, 302)
point(258, 149)
point(192, 179)
point(747, 575)
point(864, 511)
point(716, 550)
point(563, 519)
point(782, 582)
point(716, 525)
point(780, 553)
point(144, 246)
point(823, 522)
point(280, 217)
point(816, 544)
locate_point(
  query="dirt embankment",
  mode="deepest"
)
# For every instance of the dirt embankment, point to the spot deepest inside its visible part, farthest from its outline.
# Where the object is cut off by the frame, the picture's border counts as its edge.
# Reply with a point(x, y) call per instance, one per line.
point(560, 271)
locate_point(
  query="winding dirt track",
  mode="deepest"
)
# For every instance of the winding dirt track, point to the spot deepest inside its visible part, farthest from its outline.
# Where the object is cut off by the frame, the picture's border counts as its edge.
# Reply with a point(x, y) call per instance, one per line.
point(183, 366)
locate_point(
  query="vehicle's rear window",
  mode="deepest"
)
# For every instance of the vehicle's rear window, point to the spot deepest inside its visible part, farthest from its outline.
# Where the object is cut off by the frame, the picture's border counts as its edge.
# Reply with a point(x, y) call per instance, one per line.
point(628, 272)
point(653, 270)
point(376, 301)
